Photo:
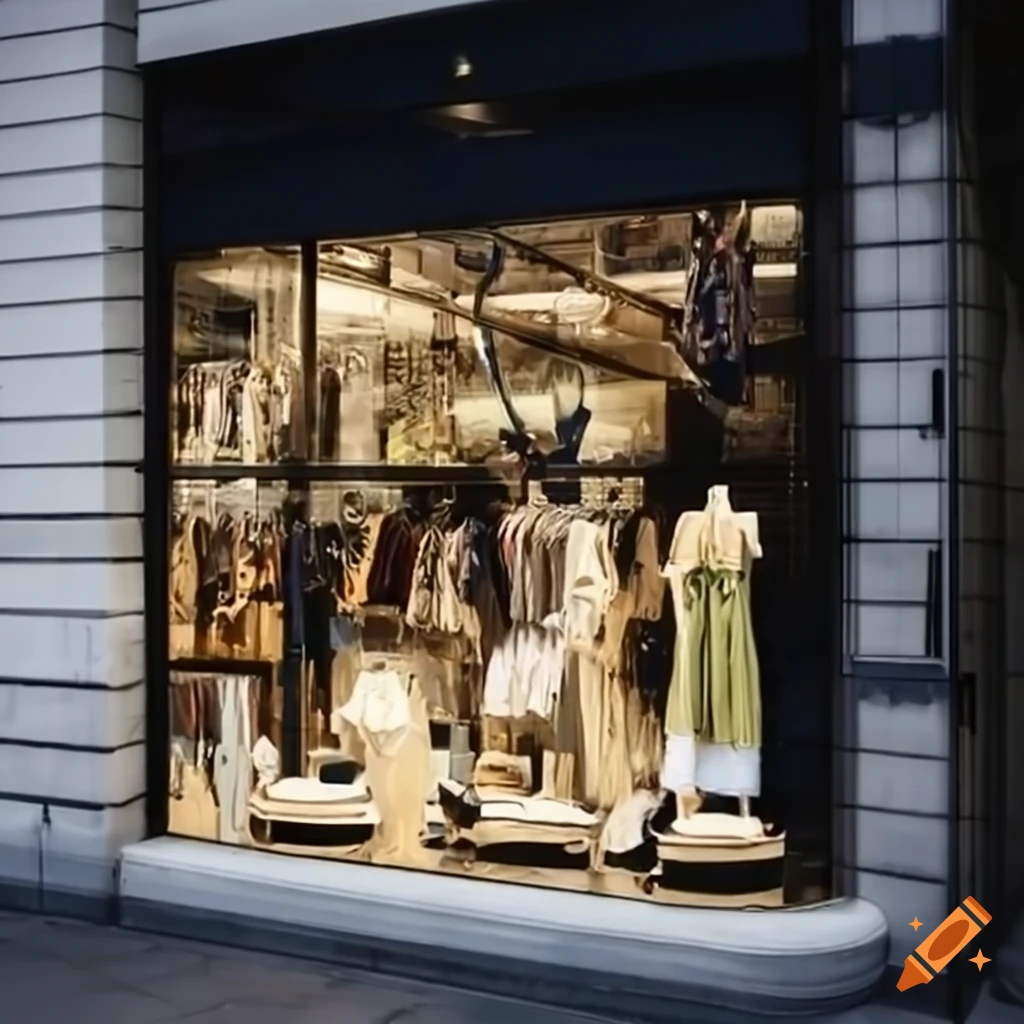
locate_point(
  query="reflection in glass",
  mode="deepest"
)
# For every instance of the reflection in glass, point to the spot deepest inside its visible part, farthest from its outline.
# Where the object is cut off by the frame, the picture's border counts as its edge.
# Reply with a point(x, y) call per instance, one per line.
point(237, 389)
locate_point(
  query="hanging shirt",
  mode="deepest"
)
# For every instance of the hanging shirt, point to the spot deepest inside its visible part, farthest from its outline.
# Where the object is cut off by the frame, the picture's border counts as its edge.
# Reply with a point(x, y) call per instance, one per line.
point(590, 582)
point(524, 673)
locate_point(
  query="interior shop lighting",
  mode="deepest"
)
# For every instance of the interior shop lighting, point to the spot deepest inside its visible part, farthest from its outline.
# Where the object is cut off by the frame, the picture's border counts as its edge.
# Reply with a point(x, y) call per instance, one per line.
point(775, 271)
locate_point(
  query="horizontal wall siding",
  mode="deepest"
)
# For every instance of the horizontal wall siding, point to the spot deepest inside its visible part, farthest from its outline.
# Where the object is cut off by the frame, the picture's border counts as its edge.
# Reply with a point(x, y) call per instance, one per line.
point(72, 699)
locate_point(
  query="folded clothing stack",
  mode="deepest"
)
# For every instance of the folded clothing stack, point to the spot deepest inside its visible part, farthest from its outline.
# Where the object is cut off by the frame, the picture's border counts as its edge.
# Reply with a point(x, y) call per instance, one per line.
point(308, 812)
point(505, 772)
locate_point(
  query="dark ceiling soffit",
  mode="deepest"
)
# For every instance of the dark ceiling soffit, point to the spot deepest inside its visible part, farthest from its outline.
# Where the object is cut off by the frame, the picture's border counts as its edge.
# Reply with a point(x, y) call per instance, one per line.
point(192, 128)
point(411, 62)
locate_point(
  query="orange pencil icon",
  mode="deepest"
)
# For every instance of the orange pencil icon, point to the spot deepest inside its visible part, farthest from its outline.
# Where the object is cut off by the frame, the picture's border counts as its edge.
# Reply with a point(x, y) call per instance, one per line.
point(943, 944)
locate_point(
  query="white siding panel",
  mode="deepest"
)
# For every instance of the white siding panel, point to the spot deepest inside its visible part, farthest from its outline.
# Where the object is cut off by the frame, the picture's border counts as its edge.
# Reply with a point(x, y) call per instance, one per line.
point(73, 649)
point(64, 442)
point(71, 579)
point(87, 385)
point(168, 29)
point(28, 492)
point(72, 717)
point(71, 586)
point(72, 95)
point(903, 844)
point(25, 17)
point(61, 53)
point(41, 191)
point(72, 775)
point(78, 277)
point(91, 325)
point(80, 143)
point(69, 234)
point(71, 538)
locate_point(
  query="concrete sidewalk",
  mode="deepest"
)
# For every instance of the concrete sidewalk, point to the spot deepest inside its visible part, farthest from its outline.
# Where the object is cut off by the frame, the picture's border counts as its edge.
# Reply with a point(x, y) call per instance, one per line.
point(63, 971)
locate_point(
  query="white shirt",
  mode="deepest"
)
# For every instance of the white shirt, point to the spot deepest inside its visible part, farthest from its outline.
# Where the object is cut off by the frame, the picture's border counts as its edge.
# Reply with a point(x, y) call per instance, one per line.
point(379, 708)
point(524, 674)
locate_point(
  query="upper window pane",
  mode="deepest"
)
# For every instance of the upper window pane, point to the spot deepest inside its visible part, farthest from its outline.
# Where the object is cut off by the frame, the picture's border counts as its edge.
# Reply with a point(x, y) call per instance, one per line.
point(562, 340)
point(237, 385)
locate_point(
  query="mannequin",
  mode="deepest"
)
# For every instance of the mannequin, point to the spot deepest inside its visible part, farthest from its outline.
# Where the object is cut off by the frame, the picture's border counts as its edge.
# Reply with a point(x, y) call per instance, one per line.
point(713, 742)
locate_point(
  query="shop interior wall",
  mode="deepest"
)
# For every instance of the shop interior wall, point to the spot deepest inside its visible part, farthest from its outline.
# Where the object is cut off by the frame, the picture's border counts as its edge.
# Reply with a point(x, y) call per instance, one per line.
point(72, 700)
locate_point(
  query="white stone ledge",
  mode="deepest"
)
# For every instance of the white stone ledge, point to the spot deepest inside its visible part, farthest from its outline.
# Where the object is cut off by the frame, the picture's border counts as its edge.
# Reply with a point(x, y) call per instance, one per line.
point(801, 959)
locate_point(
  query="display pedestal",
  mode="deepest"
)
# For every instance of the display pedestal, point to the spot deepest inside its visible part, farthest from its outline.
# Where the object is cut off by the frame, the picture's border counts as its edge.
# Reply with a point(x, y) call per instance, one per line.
point(626, 958)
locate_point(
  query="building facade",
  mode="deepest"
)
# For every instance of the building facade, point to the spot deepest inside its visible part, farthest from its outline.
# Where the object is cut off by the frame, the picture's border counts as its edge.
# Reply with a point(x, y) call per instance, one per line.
point(705, 319)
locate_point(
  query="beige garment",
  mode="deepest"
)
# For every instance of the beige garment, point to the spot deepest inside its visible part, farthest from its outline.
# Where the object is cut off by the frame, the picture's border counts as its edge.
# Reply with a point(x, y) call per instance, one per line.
point(181, 640)
point(590, 584)
point(193, 811)
point(401, 780)
point(643, 741)
point(614, 772)
point(270, 630)
point(611, 646)
point(344, 673)
point(646, 585)
point(184, 582)
point(572, 839)
point(713, 825)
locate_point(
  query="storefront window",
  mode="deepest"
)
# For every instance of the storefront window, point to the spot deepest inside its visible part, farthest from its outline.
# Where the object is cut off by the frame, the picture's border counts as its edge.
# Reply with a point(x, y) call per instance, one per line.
point(495, 612)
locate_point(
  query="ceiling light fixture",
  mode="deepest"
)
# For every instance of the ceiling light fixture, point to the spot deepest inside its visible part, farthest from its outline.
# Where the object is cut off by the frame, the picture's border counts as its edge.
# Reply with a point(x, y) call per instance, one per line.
point(461, 66)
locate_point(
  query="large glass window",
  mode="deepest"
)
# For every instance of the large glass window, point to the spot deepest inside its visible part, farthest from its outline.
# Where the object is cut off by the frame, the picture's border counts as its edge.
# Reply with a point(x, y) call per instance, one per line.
point(474, 540)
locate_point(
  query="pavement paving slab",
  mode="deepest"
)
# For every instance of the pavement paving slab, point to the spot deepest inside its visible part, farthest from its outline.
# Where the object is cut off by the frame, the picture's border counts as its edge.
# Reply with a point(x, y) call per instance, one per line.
point(55, 970)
